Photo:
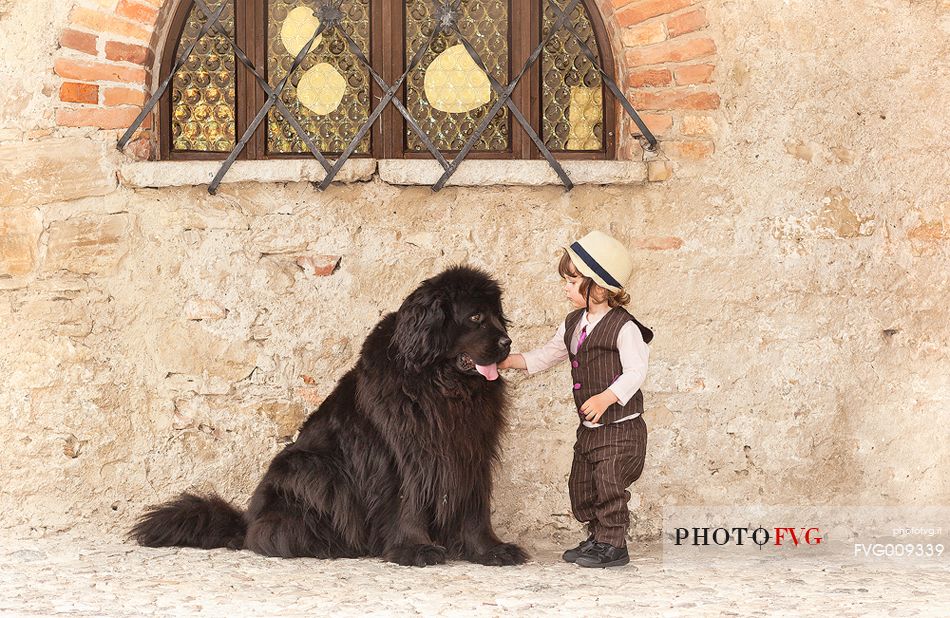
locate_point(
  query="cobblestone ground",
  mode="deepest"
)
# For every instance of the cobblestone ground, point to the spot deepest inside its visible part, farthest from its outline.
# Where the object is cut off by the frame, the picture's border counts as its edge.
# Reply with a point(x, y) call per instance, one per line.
point(88, 577)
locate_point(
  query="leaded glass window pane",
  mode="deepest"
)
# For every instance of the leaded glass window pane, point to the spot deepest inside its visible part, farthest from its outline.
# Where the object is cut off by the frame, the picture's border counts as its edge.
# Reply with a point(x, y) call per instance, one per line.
point(572, 106)
point(447, 93)
point(202, 115)
point(329, 91)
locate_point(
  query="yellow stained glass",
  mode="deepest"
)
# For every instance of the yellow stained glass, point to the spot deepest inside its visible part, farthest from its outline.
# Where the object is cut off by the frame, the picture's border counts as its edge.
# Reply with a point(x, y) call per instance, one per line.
point(584, 113)
point(298, 27)
point(454, 83)
point(330, 110)
point(202, 90)
point(321, 89)
point(570, 118)
point(485, 24)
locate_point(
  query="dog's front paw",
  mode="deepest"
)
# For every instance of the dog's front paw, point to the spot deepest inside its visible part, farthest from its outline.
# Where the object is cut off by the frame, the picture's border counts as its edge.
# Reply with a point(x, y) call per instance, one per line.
point(504, 554)
point(417, 555)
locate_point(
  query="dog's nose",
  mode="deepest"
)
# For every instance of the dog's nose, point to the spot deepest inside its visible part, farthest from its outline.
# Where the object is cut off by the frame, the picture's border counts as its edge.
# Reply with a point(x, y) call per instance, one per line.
point(504, 342)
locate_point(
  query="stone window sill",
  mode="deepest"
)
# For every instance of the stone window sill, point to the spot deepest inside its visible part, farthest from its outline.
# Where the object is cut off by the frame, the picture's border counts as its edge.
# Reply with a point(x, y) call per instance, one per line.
point(474, 172)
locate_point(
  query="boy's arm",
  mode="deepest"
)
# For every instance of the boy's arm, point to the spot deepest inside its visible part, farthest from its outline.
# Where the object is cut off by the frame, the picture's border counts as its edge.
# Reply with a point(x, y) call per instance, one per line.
point(634, 357)
point(541, 358)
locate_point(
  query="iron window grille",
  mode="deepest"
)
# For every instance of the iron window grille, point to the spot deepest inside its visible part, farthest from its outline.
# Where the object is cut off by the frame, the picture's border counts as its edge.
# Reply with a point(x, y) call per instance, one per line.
point(445, 18)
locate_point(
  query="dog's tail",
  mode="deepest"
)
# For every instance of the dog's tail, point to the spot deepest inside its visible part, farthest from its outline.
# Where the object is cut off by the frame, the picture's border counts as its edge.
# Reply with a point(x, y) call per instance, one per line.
point(190, 520)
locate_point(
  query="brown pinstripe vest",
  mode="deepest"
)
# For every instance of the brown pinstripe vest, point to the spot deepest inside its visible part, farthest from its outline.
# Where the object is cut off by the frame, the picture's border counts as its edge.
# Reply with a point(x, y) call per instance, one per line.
point(597, 362)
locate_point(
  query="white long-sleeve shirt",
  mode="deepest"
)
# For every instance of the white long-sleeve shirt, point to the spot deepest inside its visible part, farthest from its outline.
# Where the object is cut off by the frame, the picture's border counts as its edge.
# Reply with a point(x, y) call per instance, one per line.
point(634, 358)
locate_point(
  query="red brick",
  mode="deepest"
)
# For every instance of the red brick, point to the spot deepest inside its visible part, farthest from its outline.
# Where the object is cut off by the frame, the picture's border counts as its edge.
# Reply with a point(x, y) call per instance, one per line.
point(137, 11)
point(319, 265)
point(80, 41)
point(123, 96)
point(102, 22)
point(97, 71)
point(694, 74)
point(140, 149)
point(675, 99)
point(672, 51)
point(644, 34)
point(636, 12)
point(104, 118)
point(695, 150)
point(702, 126)
point(658, 124)
point(691, 21)
point(71, 92)
point(123, 52)
point(651, 77)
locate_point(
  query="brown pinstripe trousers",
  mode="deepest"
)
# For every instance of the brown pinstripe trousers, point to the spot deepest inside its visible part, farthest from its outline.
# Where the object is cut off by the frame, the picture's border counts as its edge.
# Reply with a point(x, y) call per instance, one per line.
point(607, 460)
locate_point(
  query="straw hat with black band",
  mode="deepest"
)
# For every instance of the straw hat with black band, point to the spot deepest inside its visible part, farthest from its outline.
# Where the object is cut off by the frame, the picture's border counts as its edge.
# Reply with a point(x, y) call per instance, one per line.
point(602, 258)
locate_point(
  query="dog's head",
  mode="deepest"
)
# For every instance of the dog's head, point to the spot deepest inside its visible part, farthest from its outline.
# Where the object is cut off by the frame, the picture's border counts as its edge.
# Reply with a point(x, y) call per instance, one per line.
point(454, 317)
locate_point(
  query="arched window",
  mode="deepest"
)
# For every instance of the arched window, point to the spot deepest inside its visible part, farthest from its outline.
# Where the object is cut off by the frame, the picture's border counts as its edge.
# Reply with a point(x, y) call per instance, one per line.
point(213, 98)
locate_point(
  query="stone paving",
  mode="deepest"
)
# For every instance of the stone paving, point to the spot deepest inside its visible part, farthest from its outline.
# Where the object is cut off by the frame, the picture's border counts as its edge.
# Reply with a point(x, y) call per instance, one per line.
point(71, 576)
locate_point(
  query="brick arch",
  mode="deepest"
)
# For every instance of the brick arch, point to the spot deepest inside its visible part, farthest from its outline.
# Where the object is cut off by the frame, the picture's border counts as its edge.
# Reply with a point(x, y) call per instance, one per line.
point(105, 58)
point(665, 57)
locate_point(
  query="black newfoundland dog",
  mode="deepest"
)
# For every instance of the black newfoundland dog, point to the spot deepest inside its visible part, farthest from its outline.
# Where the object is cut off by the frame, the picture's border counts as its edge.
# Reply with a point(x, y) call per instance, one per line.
point(396, 462)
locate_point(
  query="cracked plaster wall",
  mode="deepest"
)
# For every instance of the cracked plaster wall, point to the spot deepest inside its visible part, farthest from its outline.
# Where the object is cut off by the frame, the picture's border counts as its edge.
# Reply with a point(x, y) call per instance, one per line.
point(154, 340)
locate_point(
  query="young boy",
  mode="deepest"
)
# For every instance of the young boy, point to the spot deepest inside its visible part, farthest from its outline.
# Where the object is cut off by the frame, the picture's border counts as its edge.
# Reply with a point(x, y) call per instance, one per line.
point(608, 351)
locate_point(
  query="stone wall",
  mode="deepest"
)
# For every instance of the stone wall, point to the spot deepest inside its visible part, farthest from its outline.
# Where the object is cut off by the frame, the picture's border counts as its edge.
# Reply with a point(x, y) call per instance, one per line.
point(153, 340)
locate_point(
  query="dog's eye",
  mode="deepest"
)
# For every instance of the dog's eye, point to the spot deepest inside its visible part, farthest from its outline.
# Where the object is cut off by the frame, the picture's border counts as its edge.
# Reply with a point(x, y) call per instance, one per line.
point(476, 317)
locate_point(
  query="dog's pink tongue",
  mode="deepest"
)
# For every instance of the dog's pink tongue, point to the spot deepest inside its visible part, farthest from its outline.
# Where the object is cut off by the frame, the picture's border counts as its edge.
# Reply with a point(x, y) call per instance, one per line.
point(489, 371)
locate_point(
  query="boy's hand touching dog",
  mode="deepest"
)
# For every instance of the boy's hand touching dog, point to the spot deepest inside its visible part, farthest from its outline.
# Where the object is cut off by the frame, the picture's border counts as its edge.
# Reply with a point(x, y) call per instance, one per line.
point(513, 361)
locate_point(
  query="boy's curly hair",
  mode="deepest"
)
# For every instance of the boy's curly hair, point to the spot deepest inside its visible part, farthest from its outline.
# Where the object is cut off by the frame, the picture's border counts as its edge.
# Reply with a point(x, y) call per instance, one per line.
point(566, 268)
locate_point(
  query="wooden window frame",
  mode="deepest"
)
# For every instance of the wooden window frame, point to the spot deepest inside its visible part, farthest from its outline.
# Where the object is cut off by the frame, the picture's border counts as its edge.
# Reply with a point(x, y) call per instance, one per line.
point(387, 135)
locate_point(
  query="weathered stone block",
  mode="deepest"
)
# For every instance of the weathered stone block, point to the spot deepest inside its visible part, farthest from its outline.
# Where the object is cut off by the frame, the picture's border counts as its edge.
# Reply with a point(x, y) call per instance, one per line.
point(658, 243)
point(658, 171)
point(801, 150)
point(836, 219)
point(273, 240)
point(54, 170)
point(926, 238)
point(20, 230)
point(204, 309)
point(530, 173)
point(287, 416)
point(193, 352)
point(184, 173)
point(88, 244)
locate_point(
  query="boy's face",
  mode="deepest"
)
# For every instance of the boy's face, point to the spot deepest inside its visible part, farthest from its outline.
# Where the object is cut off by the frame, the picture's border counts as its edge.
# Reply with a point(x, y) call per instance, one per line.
point(572, 288)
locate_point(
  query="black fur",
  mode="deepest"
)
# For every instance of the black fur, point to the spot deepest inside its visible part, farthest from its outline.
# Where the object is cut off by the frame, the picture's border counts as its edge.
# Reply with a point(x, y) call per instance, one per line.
point(396, 462)
point(192, 521)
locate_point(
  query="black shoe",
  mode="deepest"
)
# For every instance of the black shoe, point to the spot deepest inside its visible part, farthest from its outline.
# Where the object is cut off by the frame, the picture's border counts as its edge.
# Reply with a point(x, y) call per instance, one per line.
point(603, 555)
point(572, 554)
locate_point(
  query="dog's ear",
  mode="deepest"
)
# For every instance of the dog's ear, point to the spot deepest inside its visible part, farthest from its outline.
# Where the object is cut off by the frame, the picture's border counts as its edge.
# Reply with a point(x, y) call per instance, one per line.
point(421, 335)
point(501, 314)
